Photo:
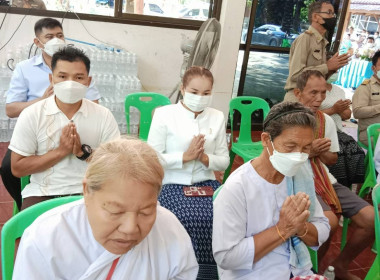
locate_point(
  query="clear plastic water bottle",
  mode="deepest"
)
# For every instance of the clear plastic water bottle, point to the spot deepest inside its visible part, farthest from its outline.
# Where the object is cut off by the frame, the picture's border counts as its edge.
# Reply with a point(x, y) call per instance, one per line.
point(329, 273)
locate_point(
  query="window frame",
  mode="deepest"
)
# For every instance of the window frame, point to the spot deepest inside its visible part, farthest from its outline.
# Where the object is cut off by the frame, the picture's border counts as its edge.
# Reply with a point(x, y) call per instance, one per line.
point(122, 18)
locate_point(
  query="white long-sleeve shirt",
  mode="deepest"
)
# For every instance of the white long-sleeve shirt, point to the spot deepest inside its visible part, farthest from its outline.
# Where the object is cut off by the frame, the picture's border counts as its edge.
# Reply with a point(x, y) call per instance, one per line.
point(248, 205)
point(173, 127)
point(60, 245)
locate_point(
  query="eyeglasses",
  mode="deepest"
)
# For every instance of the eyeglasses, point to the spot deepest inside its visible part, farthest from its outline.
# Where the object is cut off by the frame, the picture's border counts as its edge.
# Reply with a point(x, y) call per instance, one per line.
point(330, 13)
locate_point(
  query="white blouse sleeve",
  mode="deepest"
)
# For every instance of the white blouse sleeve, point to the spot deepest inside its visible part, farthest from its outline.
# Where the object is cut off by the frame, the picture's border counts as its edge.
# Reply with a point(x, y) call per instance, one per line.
point(231, 248)
point(219, 160)
point(30, 262)
point(157, 140)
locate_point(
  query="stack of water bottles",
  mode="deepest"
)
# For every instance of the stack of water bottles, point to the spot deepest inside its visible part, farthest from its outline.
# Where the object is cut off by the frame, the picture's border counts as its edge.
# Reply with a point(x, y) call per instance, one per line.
point(115, 75)
point(113, 71)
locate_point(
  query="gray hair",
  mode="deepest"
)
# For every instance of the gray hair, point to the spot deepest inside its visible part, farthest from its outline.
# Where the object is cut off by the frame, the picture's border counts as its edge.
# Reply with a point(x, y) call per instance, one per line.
point(316, 7)
point(287, 115)
point(305, 76)
point(124, 158)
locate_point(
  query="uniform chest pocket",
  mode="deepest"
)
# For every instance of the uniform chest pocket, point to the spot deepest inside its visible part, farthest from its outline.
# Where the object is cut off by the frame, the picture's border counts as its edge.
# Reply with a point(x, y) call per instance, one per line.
point(317, 54)
point(375, 98)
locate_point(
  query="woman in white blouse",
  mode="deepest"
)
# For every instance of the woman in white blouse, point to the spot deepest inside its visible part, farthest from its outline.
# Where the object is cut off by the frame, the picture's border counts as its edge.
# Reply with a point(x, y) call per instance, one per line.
point(191, 138)
point(267, 211)
point(117, 232)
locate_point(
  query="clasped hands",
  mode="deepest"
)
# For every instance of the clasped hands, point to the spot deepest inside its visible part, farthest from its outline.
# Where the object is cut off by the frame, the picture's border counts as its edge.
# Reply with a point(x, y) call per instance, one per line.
point(341, 105)
point(293, 216)
point(319, 146)
point(196, 149)
point(69, 142)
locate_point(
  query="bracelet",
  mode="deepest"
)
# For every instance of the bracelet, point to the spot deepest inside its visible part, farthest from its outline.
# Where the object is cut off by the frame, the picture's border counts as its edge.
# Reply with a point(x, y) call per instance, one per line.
point(279, 233)
point(307, 229)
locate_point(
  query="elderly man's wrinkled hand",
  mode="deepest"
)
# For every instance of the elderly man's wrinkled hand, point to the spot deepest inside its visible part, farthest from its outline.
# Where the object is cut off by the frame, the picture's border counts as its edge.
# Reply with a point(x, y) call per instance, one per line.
point(319, 146)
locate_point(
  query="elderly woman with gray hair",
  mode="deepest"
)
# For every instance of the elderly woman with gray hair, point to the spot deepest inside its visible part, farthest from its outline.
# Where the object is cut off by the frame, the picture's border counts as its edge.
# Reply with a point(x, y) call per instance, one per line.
point(118, 231)
point(267, 211)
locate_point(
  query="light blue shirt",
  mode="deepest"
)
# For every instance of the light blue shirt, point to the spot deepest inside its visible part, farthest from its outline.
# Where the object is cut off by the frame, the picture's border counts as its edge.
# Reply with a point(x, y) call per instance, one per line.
point(30, 79)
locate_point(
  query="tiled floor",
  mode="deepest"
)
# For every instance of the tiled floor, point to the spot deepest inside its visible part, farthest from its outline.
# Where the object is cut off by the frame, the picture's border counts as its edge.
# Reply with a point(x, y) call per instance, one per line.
point(359, 267)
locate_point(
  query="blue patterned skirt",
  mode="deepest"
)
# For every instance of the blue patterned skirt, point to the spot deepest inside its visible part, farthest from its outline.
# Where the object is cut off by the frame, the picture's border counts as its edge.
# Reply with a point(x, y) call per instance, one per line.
point(195, 214)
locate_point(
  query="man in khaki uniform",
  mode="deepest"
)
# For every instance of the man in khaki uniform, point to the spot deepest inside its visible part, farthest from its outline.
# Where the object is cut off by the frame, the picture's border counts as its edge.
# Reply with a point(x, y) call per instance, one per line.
point(29, 4)
point(308, 51)
point(366, 100)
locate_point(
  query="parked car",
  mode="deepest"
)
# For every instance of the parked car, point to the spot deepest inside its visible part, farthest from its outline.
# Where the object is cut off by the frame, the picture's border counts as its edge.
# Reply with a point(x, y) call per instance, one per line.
point(199, 12)
point(269, 35)
point(109, 3)
point(152, 9)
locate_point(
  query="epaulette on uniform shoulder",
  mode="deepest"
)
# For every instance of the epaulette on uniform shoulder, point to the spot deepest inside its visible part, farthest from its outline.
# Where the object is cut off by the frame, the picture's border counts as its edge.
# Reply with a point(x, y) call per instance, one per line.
point(308, 32)
point(365, 82)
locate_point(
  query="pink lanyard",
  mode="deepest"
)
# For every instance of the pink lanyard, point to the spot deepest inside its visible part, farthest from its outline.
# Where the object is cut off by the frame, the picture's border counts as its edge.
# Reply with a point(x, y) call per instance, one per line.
point(114, 264)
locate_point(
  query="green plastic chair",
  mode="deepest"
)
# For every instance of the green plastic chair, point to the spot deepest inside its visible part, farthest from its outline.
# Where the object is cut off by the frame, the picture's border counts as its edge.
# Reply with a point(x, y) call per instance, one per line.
point(370, 177)
point(24, 181)
point(145, 102)
point(374, 271)
point(313, 254)
point(14, 228)
point(245, 147)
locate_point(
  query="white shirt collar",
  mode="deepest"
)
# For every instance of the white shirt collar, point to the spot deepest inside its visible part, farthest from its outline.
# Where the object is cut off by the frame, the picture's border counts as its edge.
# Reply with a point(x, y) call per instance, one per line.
point(52, 108)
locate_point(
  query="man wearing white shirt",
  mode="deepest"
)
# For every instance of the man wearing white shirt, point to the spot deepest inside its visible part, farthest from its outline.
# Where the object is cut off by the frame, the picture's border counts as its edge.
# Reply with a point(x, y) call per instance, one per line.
point(30, 83)
point(54, 137)
point(333, 197)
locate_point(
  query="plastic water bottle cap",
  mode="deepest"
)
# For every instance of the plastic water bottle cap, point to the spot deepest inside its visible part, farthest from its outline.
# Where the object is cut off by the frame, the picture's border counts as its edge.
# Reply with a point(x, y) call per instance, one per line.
point(331, 268)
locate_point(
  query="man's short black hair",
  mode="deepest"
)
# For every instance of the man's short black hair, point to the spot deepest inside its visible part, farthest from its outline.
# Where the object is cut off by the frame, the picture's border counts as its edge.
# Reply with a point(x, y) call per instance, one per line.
point(70, 54)
point(375, 58)
point(371, 38)
point(48, 23)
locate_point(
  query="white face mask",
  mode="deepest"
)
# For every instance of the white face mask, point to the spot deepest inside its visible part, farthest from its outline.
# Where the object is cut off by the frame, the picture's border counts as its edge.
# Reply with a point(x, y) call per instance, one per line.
point(53, 45)
point(195, 102)
point(378, 74)
point(370, 45)
point(287, 163)
point(70, 92)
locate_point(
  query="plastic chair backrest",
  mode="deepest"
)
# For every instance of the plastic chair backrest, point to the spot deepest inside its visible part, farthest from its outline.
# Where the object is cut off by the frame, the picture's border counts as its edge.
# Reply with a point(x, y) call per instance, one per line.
point(14, 228)
point(376, 201)
point(246, 105)
point(373, 135)
point(145, 102)
point(24, 181)
point(216, 192)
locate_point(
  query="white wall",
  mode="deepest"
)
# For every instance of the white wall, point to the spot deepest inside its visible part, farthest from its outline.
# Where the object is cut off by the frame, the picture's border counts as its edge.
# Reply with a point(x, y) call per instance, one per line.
point(158, 49)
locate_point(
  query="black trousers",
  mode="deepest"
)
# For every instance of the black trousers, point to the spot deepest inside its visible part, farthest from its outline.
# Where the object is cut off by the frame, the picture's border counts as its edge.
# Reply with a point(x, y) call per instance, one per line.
point(11, 183)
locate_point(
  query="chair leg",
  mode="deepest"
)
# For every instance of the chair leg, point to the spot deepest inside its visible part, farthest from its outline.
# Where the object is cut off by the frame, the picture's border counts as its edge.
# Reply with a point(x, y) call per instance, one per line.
point(228, 170)
point(374, 271)
point(314, 259)
point(343, 242)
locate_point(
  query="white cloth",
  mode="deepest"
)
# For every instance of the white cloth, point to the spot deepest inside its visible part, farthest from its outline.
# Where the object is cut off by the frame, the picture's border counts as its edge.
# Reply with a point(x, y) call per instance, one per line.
point(38, 130)
point(246, 205)
point(332, 97)
point(173, 127)
point(331, 133)
point(30, 79)
point(60, 245)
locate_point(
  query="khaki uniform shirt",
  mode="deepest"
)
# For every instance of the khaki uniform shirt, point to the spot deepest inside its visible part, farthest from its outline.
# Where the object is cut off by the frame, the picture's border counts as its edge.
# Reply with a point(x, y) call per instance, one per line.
point(366, 106)
point(308, 52)
point(33, 4)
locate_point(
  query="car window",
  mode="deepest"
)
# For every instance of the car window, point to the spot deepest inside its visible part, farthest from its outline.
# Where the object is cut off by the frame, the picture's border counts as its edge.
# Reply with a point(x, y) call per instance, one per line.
point(193, 12)
point(205, 12)
point(155, 8)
